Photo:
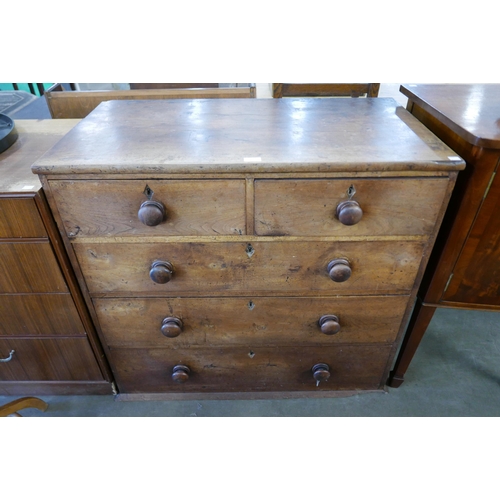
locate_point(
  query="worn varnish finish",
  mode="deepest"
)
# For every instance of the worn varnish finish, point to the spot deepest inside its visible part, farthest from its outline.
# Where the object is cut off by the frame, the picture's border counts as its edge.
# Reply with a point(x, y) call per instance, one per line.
point(110, 208)
point(184, 309)
point(274, 267)
point(464, 268)
point(307, 207)
point(250, 320)
point(47, 342)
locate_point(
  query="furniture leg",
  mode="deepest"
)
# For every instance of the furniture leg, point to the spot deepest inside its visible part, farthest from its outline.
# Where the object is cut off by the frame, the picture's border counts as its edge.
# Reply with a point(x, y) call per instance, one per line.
point(21, 404)
point(419, 321)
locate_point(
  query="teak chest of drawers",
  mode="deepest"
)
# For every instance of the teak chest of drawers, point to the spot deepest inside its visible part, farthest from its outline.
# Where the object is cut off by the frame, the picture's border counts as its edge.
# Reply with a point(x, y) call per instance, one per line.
point(48, 344)
point(257, 247)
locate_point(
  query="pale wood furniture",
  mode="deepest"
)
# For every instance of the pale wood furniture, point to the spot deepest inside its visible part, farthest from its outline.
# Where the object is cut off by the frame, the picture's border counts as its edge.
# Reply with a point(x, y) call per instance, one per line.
point(48, 344)
point(325, 89)
point(464, 270)
point(252, 247)
point(20, 404)
point(78, 104)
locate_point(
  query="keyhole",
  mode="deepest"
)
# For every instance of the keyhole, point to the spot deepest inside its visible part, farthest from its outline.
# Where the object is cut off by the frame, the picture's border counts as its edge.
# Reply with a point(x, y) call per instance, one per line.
point(148, 192)
point(351, 191)
point(251, 354)
point(249, 250)
point(251, 305)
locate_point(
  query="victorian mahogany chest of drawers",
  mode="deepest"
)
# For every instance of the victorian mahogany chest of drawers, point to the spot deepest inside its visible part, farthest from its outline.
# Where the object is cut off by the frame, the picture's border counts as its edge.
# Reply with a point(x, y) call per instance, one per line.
point(48, 344)
point(254, 246)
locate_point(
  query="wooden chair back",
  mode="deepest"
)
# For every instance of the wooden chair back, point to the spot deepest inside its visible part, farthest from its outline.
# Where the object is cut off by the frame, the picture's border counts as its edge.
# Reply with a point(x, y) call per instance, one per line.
point(325, 89)
point(78, 104)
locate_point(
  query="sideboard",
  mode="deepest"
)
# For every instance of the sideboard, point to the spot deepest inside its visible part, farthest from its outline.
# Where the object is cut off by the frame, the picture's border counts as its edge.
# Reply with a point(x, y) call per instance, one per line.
point(249, 247)
point(464, 268)
point(48, 344)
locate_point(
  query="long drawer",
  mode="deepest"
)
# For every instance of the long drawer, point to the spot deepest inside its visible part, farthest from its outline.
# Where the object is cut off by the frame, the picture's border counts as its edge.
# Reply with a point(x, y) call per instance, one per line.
point(110, 208)
point(249, 321)
point(52, 314)
point(307, 207)
point(29, 267)
point(242, 369)
point(284, 267)
point(47, 359)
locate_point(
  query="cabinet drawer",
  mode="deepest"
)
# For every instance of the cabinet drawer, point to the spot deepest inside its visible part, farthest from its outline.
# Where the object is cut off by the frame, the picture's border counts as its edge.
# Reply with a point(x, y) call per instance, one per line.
point(307, 207)
point(249, 369)
point(39, 315)
point(110, 208)
point(248, 321)
point(29, 268)
point(284, 267)
point(48, 359)
point(19, 218)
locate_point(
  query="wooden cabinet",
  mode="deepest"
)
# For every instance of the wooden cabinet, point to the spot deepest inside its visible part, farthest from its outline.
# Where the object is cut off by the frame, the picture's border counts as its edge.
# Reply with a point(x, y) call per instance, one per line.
point(249, 248)
point(464, 269)
point(47, 341)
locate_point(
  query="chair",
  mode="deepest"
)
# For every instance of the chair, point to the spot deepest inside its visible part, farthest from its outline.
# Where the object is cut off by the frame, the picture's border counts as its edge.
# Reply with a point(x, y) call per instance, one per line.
point(325, 89)
point(78, 104)
point(17, 405)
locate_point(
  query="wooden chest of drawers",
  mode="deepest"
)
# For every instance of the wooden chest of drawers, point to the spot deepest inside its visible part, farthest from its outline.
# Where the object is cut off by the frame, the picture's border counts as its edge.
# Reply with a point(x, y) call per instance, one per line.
point(47, 341)
point(257, 247)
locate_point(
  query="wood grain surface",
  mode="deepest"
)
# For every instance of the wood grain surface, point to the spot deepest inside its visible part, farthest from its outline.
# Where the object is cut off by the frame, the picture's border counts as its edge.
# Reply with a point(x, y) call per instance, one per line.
point(249, 320)
point(39, 315)
point(27, 267)
point(69, 359)
point(247, 135)
point(249, 369)
point(109, 208)
point(19, 218)
point(307, 207)
point(284, 267)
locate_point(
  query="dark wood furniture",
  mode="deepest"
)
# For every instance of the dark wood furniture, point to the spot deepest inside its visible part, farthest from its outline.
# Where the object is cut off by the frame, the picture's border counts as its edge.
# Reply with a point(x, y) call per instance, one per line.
point(249, 247)
point(78, 104)
point(464, 269)
point(325, 89)
point(48, 344)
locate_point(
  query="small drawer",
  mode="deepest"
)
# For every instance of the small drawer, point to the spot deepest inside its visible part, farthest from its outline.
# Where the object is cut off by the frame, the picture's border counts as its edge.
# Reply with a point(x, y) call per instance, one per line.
point(258, 321)
point(283, 267)
point(47, 315)
point(19, 218)
point(47, 359)
point(29, 268)
point(180, 208)
point(249, 369)
point(387, 207)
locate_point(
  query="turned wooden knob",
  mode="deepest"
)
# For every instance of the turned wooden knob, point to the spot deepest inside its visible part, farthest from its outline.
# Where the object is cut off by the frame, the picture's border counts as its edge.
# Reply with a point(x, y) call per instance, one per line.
point(321, 372)
point(349, 212)
point(339, 270)
point(329, 324)
point(180, 374)
point(171, 327)
point(161, 272)
point(151, 213)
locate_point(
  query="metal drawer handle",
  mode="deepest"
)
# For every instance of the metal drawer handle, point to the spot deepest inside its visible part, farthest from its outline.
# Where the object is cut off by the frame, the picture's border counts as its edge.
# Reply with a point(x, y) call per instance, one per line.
point(6, 360)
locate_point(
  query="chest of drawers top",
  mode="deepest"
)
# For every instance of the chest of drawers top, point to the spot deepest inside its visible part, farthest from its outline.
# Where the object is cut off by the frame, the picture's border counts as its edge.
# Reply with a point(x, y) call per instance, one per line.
point(247, 136)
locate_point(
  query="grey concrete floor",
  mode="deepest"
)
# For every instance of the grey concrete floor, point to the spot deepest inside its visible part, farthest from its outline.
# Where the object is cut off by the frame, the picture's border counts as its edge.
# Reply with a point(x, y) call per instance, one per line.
point(455, 372)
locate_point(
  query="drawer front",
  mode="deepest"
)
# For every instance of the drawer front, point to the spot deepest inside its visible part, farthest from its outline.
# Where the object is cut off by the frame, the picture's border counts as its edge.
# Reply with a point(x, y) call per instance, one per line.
point(48, 359)
point(19, 218)
point(29, 268)
point(249, 369)
point(39, 315)
point(192, 208)
point(307, 207)
point(249, 321)
point(284, 267)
